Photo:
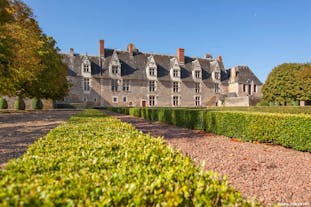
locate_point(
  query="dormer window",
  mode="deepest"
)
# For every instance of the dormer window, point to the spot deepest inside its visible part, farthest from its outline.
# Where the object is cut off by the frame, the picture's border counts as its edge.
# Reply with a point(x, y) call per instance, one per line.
point(114, 69)
point(196, 70)
point(152, 71)
point(217, 75)
point(197, 74)
point(151, 68)
point(175, 70)
point(176, 73)
point(115, 66)
point(86, 68)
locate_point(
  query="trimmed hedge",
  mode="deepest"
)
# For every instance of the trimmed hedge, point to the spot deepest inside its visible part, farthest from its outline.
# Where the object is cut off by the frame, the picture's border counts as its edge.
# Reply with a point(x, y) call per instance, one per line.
point(3, 103)
point(94, 160)
point(288, 130)
point(36, 104)
point(19, 104)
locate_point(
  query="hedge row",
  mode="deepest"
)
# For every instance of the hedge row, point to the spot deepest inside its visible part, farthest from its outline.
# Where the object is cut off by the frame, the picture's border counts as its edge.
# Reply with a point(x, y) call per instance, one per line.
point(95, 160)
point(289, 130)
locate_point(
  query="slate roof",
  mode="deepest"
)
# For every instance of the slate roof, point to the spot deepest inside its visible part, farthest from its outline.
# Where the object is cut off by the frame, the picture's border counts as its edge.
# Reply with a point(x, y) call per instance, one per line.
point(133, 67)
point(245, 75)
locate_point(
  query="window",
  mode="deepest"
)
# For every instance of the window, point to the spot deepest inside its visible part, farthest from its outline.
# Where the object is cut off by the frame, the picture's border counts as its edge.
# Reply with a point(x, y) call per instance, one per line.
point(126, 85)
point(244, 88)
point(114, 99)
point(216, 88)
point(198, 101)
point(124, 99)
point(175, 87)
point(95, 100)
point(114, 69)
point(114, 85)
point(86, 68)
point(249, 89)
point(151, 86)
point(197, 87)
point(175, 73)
point(197, 74)
point(217, 75)
point(84, 99)
point(86, 84)
point(151, 100)
point(152, 71)
point(175, 100)
point(255, 88)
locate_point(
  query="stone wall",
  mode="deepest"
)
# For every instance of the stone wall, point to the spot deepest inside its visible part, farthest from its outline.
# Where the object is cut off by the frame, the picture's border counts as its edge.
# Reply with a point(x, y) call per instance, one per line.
point(237, 101)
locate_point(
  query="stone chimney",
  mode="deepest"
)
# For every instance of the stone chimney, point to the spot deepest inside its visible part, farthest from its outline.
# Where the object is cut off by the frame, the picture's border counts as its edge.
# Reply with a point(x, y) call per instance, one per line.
point(181, 55)
point(233, 74)
point(208, 56)
point(131, 48)
point(219, 59)
point(102, 48)
point(71, 52)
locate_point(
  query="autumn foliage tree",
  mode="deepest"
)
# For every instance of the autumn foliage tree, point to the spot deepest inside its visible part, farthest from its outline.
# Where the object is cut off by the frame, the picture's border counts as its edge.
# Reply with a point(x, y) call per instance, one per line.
point(30, 64)
point(287, 84)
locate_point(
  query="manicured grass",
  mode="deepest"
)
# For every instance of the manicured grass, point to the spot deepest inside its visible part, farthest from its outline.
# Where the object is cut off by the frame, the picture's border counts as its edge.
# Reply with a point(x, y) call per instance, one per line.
point(95, 160)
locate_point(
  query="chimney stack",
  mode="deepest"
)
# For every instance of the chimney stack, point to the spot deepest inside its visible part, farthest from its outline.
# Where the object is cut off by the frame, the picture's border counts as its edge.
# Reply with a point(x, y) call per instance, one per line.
point(130, 48)
point(181, 55)
point(219, 59)
point(208, 56)
point(71, 52)
point(102, 48)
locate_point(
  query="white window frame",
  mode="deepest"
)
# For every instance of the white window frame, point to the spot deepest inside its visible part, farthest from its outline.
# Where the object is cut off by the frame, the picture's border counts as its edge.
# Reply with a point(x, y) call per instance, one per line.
point(154, 100)
point(114, 69)
point(176, 73)
point(175, 87)
point(197, 87)
point(152, 86)
point(174, 101)
point(197, 74)
point(152, 72)
point(114, 99)
point(124, 99)
point(126, 85)
point(197, 101)
point(114, 85)
point(86, 84)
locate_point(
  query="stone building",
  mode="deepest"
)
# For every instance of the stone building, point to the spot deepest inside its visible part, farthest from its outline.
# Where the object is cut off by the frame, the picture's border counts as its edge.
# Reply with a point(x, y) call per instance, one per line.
point(134, 78)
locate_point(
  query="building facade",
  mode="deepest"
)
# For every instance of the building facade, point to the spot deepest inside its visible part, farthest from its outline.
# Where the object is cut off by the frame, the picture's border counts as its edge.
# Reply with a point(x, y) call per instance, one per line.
point(134, 78)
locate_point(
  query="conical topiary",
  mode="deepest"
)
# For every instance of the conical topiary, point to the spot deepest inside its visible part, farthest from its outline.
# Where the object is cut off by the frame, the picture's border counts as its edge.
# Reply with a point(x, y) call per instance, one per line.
point(36, 104)
point(3, 103)
point(19, 104)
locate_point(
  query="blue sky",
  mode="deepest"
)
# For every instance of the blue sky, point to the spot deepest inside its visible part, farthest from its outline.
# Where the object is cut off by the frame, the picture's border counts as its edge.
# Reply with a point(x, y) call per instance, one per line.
point(259, 33)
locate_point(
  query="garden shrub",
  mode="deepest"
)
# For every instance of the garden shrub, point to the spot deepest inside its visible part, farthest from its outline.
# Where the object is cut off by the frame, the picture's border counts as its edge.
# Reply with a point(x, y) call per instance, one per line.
point(3, 103)
point(95, 160)
point(289, 130)
point(36, 103)
point(19, 104)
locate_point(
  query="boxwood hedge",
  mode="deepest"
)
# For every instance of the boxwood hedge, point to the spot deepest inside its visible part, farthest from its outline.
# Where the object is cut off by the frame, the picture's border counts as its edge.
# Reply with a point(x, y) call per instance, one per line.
point(289, 130)
point(95, 160)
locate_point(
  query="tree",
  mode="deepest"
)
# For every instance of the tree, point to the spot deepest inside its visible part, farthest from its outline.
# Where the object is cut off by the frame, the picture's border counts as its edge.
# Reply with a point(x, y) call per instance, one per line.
point(29, 61)
point(304, 78)
point(285, 84)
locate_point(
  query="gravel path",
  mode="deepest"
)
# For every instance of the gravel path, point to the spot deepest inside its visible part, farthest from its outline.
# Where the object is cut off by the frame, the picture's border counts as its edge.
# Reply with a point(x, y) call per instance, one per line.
point(272, 174)
point(18, 130)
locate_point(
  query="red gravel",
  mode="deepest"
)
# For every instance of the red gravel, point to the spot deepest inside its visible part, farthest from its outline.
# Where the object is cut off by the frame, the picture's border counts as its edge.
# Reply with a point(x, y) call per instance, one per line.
point(272, 174)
